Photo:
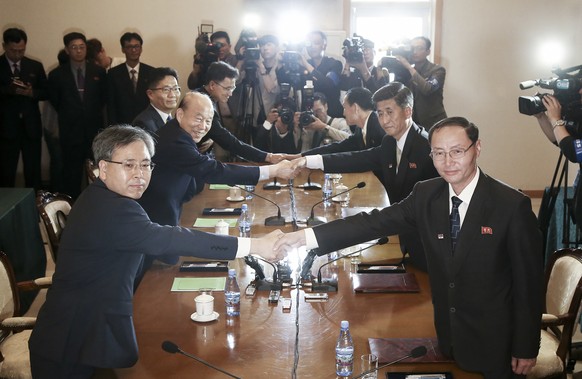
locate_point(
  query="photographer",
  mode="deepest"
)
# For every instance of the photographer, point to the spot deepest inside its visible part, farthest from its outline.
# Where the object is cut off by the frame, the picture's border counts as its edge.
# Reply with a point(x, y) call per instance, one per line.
point(219, 51)
point(361, 71)
point(281, 133)
point(427, 83)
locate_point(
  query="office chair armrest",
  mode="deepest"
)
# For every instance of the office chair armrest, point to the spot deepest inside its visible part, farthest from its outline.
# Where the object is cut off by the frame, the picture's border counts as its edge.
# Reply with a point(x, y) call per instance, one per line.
point(18, 324)
point(553, 320)
point(36, 284)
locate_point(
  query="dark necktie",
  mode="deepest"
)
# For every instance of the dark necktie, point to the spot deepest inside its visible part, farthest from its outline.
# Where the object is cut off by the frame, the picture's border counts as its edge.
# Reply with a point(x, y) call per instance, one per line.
point(455, 221)
point(16, 71)
point(169, 118)
point(80, 82)
point(133, 79)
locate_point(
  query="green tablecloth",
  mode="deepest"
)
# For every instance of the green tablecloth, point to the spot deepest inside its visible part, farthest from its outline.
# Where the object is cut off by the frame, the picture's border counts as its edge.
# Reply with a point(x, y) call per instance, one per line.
point(20, 237)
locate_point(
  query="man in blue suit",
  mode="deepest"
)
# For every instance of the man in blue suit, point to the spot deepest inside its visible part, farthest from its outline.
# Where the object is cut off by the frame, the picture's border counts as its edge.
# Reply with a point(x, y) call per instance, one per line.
point(86, 321)
point(483, 249)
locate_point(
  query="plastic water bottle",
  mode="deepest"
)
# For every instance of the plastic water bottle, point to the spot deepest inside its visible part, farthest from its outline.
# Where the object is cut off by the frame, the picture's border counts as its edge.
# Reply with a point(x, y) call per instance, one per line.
point(232, 294)
point(327, 190)
point(344, 351)
point(244, 222)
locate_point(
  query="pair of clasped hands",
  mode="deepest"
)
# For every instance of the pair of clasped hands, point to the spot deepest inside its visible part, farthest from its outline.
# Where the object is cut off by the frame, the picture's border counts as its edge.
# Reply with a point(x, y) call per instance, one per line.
point(275, 245)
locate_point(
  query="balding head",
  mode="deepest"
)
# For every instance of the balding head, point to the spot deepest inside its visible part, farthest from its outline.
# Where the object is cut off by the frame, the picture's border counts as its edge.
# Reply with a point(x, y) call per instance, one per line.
point(195, 114)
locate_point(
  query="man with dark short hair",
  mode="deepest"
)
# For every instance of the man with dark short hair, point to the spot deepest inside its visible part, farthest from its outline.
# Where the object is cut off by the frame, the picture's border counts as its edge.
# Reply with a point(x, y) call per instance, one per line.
point(483, 249)
point(77, 91)
point(127, 83)
point(163, 92)
point(87, 319)
point(23, 84)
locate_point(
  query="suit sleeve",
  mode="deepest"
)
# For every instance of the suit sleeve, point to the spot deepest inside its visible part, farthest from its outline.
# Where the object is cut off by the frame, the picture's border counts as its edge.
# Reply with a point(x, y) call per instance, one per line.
point(229, 142)
point(352, 143)
point(355, 161)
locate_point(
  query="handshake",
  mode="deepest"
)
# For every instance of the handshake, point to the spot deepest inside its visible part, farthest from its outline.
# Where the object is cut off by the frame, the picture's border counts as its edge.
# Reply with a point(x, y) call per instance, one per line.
point(276, 245)
point(284, 168)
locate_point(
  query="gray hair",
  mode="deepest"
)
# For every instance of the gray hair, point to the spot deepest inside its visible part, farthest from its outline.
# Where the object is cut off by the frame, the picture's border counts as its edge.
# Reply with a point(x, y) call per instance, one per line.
point(116, 136)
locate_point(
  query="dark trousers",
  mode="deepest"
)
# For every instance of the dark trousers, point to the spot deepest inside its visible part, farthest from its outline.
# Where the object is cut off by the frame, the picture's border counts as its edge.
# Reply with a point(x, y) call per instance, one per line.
point(74, 157)
point(10, 150)
point(43, 368)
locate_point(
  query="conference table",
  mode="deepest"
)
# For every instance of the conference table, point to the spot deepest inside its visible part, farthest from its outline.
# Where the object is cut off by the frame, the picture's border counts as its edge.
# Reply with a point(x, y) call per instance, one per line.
point(261, 342)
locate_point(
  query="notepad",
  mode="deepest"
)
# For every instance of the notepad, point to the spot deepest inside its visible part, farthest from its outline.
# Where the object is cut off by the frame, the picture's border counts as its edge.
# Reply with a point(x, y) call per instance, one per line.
point(194, 284)
point(385, 283)
point(211, 222)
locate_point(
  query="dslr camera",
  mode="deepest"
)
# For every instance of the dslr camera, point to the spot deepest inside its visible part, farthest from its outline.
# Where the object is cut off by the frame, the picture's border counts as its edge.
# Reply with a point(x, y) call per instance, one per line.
point(306, 118)
point(286, 115)
point(565, 86)
point(353, 49)
point(206, 52)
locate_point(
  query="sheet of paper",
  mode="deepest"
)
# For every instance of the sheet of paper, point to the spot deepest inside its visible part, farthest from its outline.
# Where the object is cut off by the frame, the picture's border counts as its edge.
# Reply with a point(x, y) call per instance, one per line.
point(211, 222)
point(194, 284)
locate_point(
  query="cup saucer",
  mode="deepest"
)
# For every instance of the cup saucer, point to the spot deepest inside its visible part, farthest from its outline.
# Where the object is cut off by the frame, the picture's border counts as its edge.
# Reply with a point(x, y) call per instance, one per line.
point(210, 317)
point(240, 198)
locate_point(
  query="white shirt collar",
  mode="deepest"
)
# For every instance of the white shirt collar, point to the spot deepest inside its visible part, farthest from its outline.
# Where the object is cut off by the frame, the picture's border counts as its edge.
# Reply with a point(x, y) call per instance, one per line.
point(163, 115)
point(467, 192)
point(400, 143)
point(136, 68)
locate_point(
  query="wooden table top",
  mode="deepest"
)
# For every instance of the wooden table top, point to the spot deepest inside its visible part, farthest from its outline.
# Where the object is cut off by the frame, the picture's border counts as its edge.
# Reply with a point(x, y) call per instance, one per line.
point(261, 342)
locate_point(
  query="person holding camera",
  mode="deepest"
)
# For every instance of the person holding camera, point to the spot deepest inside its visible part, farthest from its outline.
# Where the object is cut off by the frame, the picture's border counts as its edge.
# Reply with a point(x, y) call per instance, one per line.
point(427, 83)
point(361, 71)
point(280, 132)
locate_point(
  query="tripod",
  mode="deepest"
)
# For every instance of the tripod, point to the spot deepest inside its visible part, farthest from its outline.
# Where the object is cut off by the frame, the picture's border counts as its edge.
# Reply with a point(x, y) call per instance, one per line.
point(251, 92)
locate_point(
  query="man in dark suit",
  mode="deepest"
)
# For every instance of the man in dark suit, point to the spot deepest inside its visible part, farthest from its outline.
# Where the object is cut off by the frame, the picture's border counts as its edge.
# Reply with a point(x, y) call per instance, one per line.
point(77, 91)
point(182, 171)
point(86, 321)
point(163, 93)
point(127, 83)
point(220, 84)
point(23, 84)
point(402, 158)
point(483, 249)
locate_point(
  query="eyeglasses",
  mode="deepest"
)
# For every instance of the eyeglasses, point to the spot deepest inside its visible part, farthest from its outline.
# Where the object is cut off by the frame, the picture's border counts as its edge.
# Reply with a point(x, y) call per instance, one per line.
point(440, 155)
point(130, 166)
point(167, 90)
point(229, 89)
point(132, 47)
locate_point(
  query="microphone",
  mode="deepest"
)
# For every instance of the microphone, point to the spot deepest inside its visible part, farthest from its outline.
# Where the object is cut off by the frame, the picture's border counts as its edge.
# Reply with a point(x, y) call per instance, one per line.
point(417, 352)
point(254, 264)
point(312, 220)
point(305, 273)
point(172, 348)
point(528, 84)
point(331, 286)
point(309, 186)
point(265, 285)
point(273, 220)
point(274, 185)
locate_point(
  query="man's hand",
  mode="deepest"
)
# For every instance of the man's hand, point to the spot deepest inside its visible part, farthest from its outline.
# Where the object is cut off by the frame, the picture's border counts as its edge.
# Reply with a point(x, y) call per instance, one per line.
point(405, 63)
point(274, 158)
point(290, 241)
point(291, 157)
point(273, 115)
point(283, 170)
point(299, 163)
point(553, 108)
point(264, 246)
point(518, 365)
point(205, 146)
point(317, 124)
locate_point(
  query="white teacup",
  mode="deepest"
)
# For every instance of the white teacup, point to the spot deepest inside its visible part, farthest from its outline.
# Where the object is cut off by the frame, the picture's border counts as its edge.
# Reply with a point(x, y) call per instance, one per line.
point(221, 227)
point(234, 192)
point(204, 305)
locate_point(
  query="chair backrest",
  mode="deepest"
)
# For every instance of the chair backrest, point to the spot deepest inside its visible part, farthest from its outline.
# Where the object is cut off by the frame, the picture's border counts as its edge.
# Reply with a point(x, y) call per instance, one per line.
point(9, 305)
point(564, 293)
point(53, 209)
point(92, 171)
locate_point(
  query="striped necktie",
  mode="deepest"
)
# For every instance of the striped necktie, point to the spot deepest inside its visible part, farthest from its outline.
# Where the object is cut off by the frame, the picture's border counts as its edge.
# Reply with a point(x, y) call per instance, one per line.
point(455, 221)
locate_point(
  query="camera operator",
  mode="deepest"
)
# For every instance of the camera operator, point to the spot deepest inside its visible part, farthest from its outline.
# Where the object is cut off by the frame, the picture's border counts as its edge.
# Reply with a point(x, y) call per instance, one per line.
point(318, 128)
point(362, 72)
point(221, 41)
point(427, 83)
point(280, 132)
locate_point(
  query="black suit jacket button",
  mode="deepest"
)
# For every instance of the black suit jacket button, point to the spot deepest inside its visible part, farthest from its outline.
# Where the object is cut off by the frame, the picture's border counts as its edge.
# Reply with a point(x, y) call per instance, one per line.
point(451, 285)
point(453, 309)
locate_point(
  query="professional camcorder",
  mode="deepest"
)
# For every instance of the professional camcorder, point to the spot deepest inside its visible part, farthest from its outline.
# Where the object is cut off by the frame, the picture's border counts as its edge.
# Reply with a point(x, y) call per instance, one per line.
point(353, 49)
point(206, 52)
point(566, 87)
point(401, 74)
point(248, 39)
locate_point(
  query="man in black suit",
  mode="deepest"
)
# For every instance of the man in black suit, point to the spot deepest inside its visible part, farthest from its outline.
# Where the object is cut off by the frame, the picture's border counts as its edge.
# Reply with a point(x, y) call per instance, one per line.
point(403, 157)
point(182, 171)
point(22, 84)
point(483, 249)
point(220, 84)
point(77, 91)
point(86, 321)
point(163, 93)
point(127, 83)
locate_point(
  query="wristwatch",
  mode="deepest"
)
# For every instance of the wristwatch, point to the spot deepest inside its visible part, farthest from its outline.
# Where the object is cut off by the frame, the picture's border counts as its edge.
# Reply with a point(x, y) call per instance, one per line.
point(558, 123)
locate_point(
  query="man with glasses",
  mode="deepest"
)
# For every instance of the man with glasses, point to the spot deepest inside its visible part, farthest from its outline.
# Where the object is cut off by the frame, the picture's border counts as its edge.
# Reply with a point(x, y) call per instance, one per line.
point(86, 321)
point(483, 249)
point(220, 84)
point(127, 83)
point(402, 158)
point(77, 91)
point(163, 92)
point(427, 83)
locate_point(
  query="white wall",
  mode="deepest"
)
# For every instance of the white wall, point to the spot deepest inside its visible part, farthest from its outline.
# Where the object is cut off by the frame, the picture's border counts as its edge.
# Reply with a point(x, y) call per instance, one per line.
point(487, 47)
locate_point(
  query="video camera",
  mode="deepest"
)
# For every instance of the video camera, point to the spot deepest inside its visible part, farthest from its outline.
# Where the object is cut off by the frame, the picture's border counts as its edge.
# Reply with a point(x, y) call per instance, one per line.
point(206, 52)
point(566, 87)
point(401, 74)
point(248, 39)
point(353, 49)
